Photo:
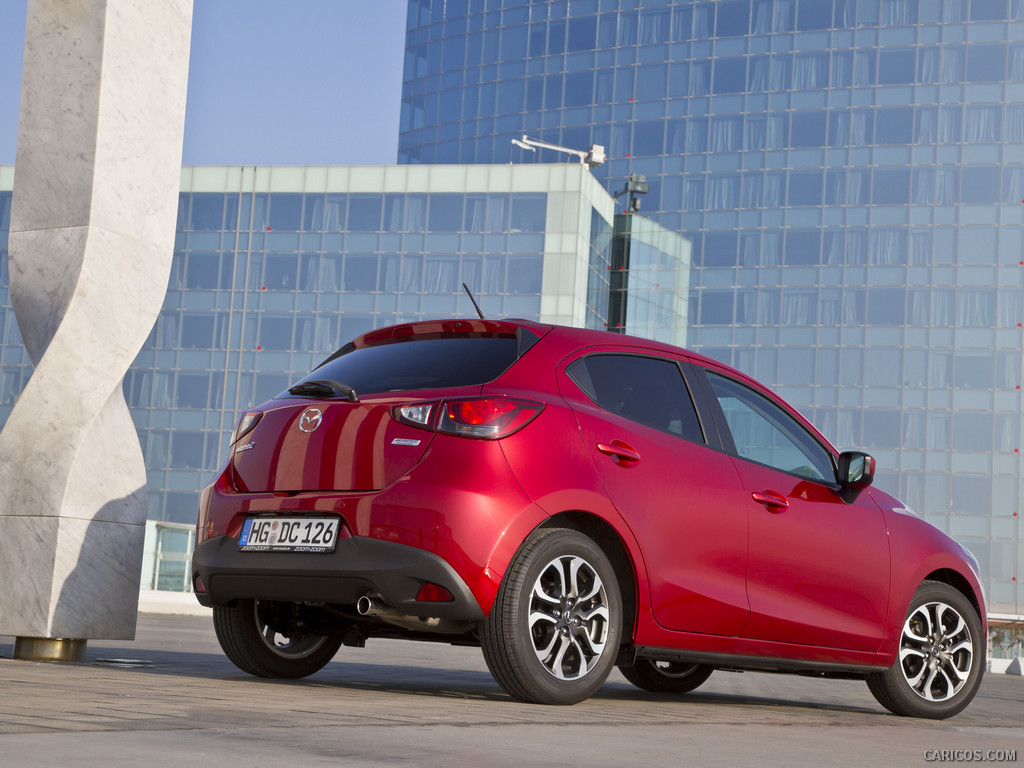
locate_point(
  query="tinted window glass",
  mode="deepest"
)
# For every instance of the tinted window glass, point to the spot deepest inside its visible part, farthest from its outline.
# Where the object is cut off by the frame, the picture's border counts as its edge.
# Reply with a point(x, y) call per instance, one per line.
point(420, 364)
point(207, 211)
point(765, 433)
point(642, 389)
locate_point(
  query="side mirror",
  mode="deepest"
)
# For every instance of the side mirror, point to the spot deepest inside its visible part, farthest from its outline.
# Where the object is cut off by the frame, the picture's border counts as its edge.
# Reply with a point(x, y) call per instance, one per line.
point(855, 472)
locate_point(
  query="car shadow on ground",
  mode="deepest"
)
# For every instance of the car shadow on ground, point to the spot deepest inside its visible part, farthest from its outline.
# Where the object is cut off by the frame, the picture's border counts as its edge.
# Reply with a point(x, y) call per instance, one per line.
point(997, 702)
point(437, 682)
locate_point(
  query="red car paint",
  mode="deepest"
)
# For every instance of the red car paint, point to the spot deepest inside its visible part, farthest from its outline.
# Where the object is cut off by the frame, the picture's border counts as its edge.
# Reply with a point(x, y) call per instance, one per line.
point(725, 555)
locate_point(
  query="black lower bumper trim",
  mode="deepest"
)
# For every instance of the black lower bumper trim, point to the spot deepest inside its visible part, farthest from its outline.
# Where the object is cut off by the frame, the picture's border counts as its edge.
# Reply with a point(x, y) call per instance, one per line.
point(357, 567)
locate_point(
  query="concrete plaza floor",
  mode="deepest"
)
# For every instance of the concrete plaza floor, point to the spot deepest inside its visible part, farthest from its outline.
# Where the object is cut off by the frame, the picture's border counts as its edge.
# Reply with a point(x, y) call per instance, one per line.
point(171, 698)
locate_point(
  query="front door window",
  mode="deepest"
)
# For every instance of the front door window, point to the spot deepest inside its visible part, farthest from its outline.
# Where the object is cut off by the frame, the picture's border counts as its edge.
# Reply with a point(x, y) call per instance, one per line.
point(765, 433)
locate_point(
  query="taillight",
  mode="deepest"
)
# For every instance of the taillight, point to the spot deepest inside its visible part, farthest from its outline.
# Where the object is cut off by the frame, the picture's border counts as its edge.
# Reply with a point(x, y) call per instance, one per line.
point(419, 415)
point(488, 418)
point(246, 422)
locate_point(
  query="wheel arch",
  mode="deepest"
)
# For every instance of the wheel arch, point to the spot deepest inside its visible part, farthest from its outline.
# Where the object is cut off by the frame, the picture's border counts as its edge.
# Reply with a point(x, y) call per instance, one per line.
point(960, 584)
point(606, 537)
point(937, 569)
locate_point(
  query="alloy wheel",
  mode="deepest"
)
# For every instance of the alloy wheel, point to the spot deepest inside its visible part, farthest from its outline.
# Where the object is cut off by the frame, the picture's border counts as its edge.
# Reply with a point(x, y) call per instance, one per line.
point(936, 651)
point(568, 617)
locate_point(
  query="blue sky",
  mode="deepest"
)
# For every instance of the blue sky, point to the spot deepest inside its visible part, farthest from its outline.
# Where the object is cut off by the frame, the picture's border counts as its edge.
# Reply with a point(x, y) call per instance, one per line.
point(304, 82)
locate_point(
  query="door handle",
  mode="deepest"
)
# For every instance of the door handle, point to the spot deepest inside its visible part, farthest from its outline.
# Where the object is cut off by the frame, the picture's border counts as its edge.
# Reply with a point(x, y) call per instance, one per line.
point(773, 501)
point(620, 451)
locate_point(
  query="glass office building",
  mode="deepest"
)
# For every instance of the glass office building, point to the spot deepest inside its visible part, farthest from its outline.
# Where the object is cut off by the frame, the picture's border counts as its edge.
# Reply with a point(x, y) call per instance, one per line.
point(654, 278)
point(275, 268)
point(850, 175)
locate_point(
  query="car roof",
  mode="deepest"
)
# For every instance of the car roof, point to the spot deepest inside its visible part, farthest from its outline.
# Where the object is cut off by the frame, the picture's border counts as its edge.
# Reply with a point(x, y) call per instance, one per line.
point(568, 335)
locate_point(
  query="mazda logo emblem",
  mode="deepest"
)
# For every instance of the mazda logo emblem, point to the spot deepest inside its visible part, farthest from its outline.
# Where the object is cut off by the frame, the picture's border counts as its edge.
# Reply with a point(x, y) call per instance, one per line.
point(310, 419)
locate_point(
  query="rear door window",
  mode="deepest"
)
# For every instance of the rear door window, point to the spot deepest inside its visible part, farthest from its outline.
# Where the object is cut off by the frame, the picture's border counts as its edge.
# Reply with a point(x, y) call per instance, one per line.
point(646, 390)
point(420, 364)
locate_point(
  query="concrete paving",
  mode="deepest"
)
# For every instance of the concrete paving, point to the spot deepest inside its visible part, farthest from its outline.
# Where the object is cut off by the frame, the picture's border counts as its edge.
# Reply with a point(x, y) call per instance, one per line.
point(171, 698)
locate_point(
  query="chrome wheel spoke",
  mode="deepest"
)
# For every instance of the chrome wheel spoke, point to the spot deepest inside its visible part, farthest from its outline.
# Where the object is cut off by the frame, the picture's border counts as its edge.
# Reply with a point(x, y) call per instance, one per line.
point(961, 625)
point(964, 645)
point(950, 687)
point(936, 652)
point(540, 594)
point(946, 686)
point(926, 688)
point(589, 575)
point(949, 669)
point(584, 667)
point(595, 646)
point(545, 653)
point(551, 586)
point(915, 654)
point(555, 667)
point(915, 678)
point(595, 612)
point(541, 616)
point(568, 617)
point(911, 626)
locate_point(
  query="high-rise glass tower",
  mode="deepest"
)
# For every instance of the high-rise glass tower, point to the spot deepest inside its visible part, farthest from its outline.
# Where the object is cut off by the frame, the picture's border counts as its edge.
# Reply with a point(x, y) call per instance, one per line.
point(850, 175)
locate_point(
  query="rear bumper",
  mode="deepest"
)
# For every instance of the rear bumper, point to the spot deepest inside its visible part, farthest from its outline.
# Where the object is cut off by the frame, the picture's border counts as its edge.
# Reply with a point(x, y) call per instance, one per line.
point(358, 566)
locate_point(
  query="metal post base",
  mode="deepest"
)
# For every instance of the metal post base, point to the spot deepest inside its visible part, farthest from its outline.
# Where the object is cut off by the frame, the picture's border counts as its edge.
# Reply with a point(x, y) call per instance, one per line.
point(49, 649)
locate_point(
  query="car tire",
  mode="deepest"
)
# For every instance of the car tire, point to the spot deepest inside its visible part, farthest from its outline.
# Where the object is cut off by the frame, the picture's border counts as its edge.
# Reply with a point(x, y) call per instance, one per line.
point(250, 634)
point(666, 676)
point(941, 656)
point(552, 635)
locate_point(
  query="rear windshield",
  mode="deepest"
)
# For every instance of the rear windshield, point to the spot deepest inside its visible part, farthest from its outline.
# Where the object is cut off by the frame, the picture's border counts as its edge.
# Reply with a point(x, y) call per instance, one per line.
point(420, 364)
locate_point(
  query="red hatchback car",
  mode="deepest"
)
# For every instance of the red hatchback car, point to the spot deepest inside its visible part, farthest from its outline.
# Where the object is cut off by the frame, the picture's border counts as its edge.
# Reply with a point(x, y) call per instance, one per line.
point(571, 500)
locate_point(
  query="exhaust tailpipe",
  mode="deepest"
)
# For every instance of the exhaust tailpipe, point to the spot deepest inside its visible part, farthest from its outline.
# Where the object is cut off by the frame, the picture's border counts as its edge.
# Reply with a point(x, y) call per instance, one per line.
point(371, 606)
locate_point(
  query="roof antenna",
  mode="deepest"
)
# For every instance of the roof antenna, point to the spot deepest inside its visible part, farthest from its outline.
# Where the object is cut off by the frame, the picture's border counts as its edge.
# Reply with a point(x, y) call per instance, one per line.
point(477, 306)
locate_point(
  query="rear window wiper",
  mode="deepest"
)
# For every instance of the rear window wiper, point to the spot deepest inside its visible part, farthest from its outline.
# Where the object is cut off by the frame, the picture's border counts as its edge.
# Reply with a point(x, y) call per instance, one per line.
point(324, 388)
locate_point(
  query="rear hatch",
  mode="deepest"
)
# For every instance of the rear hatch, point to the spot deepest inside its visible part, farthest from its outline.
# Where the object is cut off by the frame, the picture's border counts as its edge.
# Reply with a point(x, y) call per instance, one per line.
point(334, 431)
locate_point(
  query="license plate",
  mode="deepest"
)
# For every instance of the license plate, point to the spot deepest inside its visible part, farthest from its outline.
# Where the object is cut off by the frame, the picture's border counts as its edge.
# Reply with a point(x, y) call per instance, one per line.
point(289, 534)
